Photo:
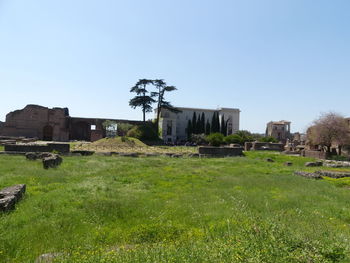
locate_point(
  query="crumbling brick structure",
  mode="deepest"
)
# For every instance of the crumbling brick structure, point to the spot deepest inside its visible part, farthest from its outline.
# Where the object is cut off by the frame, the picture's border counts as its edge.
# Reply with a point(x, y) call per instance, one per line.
point(54, 124)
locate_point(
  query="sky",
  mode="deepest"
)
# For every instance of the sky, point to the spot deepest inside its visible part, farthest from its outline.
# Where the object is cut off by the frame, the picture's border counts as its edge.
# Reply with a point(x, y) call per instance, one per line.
point(272, 59)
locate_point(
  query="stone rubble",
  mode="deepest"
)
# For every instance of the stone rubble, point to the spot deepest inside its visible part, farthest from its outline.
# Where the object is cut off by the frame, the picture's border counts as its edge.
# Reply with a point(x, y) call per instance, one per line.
point(10, 196)
point(52, 161)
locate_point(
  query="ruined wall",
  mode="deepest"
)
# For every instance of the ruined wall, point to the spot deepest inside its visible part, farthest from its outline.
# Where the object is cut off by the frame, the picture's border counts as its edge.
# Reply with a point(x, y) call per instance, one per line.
point(91, 129)
point(50, 147)
point(315, 154)
point(54, 124)
point(220, 151)
point(260, 146)
point(37, 121)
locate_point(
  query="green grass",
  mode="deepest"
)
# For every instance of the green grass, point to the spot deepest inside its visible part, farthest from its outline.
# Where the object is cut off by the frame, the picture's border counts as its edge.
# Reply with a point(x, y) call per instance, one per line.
point(159, 209)
point(2, 148)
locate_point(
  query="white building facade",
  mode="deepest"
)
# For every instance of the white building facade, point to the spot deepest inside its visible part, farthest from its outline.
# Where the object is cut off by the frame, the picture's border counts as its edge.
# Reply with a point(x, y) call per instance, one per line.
point(173, 126)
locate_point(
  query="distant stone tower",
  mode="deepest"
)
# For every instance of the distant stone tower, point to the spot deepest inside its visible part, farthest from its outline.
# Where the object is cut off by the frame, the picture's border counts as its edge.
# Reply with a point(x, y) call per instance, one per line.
point(280, 130)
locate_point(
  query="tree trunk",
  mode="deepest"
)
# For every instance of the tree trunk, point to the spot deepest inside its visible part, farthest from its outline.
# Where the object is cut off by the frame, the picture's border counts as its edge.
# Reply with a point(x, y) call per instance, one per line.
point(158, 111)
point(339, 149)
point(144, 106)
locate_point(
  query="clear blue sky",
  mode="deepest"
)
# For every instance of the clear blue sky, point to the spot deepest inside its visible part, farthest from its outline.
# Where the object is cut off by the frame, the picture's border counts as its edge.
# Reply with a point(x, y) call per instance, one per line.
point(272, 59)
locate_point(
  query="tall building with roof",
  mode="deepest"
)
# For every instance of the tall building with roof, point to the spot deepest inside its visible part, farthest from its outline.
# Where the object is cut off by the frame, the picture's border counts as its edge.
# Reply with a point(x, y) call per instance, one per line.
point(280, 130)
point(173, 126)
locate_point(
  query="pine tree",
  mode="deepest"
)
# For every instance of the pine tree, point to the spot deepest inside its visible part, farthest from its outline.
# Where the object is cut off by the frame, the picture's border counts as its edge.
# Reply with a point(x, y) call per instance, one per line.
point(142, 98)
point(161, 89)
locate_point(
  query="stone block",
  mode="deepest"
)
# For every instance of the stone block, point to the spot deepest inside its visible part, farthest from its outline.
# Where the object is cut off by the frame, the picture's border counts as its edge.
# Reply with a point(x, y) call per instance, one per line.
point(84, 153)
point(52, 161)
point(208, 151)
point(313, 164)
point(129, 154)
point(308, 175)
point(10, 196)
point(31, 156)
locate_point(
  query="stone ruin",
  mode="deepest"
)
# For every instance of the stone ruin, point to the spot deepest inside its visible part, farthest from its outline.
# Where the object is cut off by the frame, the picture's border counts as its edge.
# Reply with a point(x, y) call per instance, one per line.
point(261, 146)
point(321, 174)
point(209, 151)
point(49, 160)
point(35, 121)
point(10, 196)
point(35, 147)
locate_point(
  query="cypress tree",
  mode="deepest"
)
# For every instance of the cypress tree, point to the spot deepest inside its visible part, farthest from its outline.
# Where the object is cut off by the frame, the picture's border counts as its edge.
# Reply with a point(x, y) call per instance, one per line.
point(216, 122)
point(194, 123)
point(207, 128)
point(222, 124)
point(212, 130)
point(199, 128)
point(203, 123)
point(189, 130)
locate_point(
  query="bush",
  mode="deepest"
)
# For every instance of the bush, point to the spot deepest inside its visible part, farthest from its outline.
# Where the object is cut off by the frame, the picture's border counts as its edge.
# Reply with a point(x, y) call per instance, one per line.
point(339, 158)
point(215, 139)
point(143, 132)
point(239, 137)
point(123, 128)
point(233, 138)
point(198, 138)
point(267, 139)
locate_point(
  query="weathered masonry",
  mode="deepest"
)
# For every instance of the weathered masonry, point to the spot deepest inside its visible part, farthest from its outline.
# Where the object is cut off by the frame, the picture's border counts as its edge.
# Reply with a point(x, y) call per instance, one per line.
point(54, 124)
point(280, 130)
point(173, 125)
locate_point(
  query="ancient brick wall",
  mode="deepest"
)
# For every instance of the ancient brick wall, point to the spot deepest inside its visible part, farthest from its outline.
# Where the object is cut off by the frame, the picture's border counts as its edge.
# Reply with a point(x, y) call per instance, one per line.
point(50, 147)
point(54, 124)
point(37, 121)
point(220, 151)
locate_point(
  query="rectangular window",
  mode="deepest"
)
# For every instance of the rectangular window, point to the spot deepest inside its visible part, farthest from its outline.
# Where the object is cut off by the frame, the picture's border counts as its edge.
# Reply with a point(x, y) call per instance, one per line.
point(169, 128)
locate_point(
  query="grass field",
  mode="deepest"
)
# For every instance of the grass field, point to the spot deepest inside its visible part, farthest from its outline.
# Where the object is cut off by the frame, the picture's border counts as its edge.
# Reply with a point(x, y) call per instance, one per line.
point(160, 209)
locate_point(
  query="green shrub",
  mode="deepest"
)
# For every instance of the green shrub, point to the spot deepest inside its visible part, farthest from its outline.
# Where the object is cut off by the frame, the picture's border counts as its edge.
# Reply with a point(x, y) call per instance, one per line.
point(339, 158)
point(215, 139)
point(198, 138)
point(239, 137)
point(267, 139)
point(233, 138)
point(123, 128)
point(143, 132)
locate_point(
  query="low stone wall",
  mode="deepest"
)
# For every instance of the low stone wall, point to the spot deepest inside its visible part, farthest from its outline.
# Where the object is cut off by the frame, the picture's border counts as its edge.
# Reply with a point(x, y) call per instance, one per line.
point(219, 151)
point(336, 164)
point(315, 154)
point(320, 174)
point(261, 146)
point(308, 175)
point(50, 147)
